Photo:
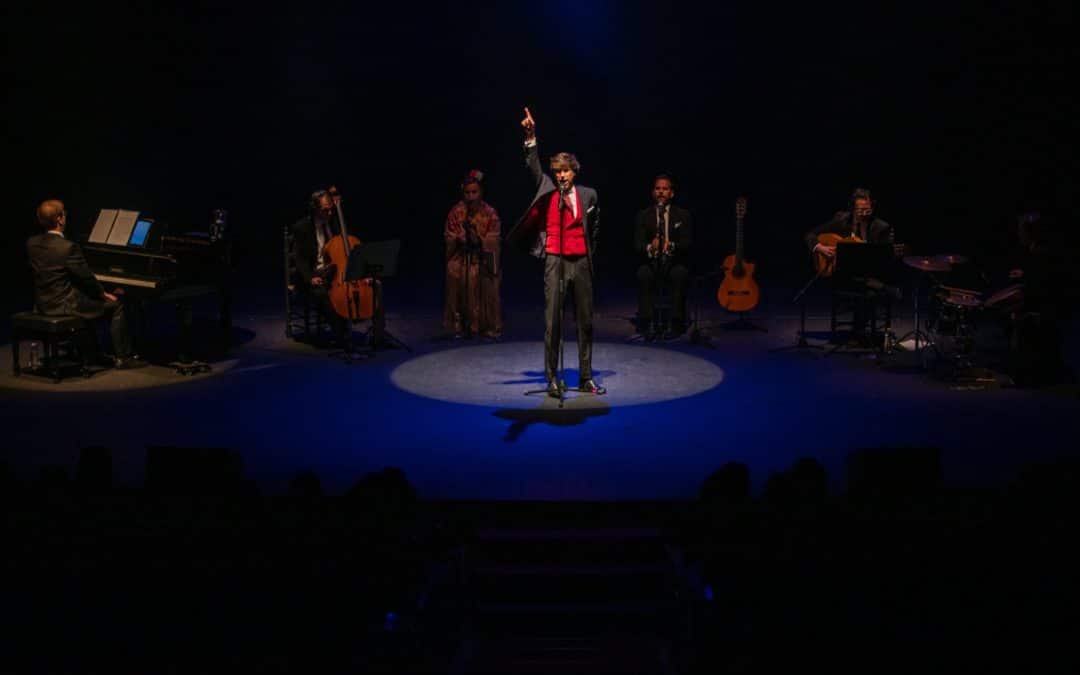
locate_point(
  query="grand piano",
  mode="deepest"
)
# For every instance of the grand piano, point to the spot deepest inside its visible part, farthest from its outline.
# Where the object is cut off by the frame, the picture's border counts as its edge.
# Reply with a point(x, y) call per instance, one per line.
point(152, 265)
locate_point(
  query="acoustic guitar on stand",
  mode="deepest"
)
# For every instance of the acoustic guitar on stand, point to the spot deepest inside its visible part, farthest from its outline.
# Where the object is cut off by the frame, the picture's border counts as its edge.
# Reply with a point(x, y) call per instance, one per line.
point(738, 292)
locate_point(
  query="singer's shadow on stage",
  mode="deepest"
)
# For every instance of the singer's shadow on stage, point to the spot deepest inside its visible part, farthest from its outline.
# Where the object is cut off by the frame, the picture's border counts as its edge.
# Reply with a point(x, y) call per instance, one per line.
point(577, 408)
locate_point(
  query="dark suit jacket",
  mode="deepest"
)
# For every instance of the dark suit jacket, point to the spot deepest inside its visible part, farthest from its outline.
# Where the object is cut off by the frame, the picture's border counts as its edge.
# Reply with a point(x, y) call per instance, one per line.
point(63, 282)
point(306, 246)
point(878, 232)
point(680, 225)
point(531, 229)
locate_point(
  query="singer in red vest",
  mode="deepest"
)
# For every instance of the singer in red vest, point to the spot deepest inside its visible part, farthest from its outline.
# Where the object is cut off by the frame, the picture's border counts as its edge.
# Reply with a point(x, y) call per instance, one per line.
point(561, 228)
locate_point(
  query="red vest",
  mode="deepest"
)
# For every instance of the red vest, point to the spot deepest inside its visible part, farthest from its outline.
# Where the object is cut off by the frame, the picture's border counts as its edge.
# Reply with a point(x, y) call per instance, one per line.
point(573, 229)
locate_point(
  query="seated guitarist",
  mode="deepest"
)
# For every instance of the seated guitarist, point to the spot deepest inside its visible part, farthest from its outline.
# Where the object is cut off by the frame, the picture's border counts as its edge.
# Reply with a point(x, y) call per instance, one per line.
point(663, 233)
point(858, 222)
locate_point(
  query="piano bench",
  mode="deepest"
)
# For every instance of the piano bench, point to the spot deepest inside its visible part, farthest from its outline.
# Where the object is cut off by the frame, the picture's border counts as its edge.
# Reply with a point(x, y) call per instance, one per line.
point(53, 332)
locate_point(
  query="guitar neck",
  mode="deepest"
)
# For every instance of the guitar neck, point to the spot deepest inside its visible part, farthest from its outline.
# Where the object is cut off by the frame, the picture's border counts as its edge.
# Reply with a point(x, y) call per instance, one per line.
point(738, 240)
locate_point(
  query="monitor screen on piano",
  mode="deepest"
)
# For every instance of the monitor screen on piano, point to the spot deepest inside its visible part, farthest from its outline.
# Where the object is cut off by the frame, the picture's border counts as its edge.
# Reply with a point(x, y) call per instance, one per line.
point(140, 233)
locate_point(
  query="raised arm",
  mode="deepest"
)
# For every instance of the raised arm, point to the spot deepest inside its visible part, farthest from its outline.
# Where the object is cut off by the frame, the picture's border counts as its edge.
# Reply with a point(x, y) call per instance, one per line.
point(532, 154)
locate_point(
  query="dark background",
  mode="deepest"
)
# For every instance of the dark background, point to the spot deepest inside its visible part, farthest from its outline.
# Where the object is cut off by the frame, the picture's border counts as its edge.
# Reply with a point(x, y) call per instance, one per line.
point(955, 116)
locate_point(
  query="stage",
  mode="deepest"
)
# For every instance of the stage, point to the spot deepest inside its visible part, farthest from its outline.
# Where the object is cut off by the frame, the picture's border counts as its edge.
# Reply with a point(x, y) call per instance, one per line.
point(455, 417)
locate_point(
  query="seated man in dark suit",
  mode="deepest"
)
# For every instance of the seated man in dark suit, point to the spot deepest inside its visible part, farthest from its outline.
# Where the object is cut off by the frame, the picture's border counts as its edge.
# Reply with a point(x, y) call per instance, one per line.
point(859, 224)
point(310, 236)
point(64, 284)
point(663, 233)
point(316, 271)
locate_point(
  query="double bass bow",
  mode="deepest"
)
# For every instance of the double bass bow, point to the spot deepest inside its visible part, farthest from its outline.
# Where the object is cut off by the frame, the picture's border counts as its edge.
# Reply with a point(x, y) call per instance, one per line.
point(352, 300)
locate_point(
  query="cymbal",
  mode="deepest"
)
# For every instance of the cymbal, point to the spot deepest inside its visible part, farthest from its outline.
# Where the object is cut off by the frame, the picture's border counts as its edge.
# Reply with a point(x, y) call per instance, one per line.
point(953, 290)
point(951, 259)
point(926, 264)
point(961, 300)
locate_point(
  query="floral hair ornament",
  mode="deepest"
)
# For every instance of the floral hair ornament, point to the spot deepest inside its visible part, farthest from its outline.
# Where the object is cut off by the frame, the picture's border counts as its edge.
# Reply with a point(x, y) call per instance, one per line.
point(473, 176)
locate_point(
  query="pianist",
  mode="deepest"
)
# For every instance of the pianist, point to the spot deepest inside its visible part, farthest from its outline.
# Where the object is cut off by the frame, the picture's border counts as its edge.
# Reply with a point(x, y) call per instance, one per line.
point(64, 284)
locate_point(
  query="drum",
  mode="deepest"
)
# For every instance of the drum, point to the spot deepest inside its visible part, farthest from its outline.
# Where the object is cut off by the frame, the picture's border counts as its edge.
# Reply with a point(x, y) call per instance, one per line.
point(1008, 299)
point(952, 321)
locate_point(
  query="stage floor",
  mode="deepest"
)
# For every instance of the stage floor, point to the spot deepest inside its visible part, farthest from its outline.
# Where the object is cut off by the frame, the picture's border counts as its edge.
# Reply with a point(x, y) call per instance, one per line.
point(453, 414)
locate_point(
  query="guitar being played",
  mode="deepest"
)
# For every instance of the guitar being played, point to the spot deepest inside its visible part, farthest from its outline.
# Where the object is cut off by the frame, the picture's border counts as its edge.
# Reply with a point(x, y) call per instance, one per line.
point(856, 225)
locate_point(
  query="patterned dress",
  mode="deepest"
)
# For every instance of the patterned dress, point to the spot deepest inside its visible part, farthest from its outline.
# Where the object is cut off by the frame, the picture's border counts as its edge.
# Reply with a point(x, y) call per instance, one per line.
point(480, 311)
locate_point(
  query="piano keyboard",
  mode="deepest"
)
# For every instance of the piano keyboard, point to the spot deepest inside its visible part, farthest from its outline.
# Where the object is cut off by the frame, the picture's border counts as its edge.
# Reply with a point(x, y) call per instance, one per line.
point(128, 281)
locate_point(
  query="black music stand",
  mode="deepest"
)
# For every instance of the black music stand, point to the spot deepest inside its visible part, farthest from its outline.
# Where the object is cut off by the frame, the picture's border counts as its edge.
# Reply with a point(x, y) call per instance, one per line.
point(856, 265)
point(698, 334)
point(800, 298)
point(376, 260)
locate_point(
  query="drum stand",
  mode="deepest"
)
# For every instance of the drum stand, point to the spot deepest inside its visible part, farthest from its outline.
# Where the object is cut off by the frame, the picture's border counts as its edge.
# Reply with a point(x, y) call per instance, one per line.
point(916, 333)
point(960, 354)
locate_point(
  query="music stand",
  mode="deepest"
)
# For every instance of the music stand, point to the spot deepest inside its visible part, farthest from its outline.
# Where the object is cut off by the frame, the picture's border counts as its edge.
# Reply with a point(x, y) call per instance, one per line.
point(857, 264)
point(697, 334)
point(800, 298)
point(376, 260)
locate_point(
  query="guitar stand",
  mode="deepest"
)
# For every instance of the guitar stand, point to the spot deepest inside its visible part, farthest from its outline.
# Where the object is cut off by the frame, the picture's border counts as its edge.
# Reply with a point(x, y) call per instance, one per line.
point(743, 323)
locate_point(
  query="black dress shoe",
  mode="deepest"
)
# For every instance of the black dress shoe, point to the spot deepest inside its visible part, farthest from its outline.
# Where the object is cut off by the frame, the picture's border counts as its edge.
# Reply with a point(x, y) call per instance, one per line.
point(553, 389)
point(590, 386)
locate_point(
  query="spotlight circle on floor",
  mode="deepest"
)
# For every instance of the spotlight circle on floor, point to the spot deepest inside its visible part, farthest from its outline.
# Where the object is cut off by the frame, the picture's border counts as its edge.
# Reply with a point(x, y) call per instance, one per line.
point(498, 374)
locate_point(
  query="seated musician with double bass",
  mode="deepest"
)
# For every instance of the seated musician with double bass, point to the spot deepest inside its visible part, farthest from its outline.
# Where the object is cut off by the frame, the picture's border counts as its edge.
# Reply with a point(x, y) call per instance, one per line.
point(310, 236)
point(856, 224)
point(663, 233)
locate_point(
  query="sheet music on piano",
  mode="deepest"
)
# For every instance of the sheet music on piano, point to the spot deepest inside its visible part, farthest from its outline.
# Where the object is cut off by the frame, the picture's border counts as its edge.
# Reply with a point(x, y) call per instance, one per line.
point(113, 227)
point(103, 225)
point(121, 229)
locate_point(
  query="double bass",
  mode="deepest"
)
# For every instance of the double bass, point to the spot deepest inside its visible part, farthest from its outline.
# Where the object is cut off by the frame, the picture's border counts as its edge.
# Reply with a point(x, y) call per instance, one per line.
point(352, 300)
point(738, 292)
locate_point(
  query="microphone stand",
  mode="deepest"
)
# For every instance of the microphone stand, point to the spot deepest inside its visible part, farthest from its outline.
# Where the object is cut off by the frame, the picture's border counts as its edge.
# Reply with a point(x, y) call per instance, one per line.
point(467, 304)
point(561, 378)
point(561, 302)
